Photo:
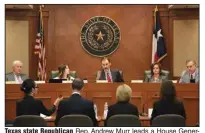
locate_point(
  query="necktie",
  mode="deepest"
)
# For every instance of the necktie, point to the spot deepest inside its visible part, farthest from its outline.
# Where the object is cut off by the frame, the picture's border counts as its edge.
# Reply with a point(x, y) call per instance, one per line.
point(108, 77)
point(19, 79)
point(191, 76)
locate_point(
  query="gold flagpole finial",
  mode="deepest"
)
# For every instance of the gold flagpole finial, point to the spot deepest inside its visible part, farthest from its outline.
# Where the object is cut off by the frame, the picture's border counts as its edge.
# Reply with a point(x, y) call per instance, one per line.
point(156, 9)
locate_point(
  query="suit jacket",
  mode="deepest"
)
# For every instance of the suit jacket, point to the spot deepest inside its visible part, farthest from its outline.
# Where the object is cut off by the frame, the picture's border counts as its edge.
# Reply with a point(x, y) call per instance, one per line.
point(185, 78)
point(161, 107)
point(116, 76)
point(122, 108)
point(76, 105)
point(10, 76)
point(150, 79)
point(31, 106)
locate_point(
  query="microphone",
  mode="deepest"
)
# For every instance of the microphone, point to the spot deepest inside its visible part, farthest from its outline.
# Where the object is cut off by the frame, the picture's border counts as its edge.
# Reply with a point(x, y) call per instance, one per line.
point(98, 75)
point(192, 80)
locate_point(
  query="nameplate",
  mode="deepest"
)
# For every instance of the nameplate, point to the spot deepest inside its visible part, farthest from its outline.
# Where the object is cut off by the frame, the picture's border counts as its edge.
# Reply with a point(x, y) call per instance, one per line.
point(67, 81)
point(85, 81)
point(101, 81)
point(40, 82)
point(136, 81)
point(174, 81)
point(11, 82)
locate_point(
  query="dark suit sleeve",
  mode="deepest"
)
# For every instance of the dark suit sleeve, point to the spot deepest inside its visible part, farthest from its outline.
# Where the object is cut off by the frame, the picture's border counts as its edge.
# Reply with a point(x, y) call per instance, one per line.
point(102, 75)
point(60, 112)
point(183, 112)
point(119, 77)
point(18, 112)
point(92, 114)
point(154, 112)
point(109, 114)
point(46, 111)
point(136, 112)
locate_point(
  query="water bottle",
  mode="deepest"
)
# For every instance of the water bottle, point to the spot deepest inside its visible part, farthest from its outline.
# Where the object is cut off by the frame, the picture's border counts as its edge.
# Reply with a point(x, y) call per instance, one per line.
point(96, 111)
point(105, 110)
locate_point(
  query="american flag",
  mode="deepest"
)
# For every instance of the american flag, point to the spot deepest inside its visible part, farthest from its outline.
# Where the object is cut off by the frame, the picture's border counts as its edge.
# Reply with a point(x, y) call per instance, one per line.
point(158, 45)
point(40, 48)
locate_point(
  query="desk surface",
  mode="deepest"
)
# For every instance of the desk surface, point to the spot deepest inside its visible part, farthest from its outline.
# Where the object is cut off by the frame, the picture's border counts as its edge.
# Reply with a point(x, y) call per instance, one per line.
point(143, 95)
point(100, 118)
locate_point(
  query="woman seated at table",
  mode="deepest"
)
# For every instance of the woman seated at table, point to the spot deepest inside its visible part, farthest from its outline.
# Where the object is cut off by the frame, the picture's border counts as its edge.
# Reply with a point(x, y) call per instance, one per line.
point(31, 106)
point(156, 74)
point(123, 96)
point(64, 73)
point(168, 103)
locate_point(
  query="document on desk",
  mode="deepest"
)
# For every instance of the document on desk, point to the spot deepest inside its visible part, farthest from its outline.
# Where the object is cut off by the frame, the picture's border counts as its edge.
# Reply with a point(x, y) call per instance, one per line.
point(45, 116)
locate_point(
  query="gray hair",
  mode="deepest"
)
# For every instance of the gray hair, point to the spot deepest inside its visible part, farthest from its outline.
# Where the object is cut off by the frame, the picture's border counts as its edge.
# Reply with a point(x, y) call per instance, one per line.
point(16, 62)
point(123, 93)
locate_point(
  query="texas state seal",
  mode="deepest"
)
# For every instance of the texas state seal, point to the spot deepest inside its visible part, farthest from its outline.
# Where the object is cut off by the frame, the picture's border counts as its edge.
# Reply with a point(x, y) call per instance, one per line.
point(100, 36)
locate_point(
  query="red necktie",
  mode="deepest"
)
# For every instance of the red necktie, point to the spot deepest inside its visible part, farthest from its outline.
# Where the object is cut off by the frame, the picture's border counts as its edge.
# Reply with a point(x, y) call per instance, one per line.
point(108, 77)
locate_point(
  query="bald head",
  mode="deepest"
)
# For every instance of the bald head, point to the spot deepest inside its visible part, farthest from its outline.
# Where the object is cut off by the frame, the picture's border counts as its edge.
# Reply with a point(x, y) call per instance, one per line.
point(77, 84)
point(17, 67)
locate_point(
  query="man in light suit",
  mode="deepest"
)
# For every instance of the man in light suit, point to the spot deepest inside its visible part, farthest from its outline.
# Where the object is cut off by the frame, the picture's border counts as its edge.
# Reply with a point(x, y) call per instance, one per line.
point(191, 75)
point(16, 74)
point(108, 74)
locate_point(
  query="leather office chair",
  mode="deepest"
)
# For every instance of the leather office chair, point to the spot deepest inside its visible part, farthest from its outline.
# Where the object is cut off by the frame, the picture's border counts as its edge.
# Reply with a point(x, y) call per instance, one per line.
point(168, 120)
point(29, 121)
point(75, 121)
point(164, 73)
point(9, 123)
point(55, 73)
point(123, 120)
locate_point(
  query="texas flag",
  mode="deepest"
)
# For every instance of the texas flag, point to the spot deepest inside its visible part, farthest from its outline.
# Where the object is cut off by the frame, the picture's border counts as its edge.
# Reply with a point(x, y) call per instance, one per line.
point(158, 45)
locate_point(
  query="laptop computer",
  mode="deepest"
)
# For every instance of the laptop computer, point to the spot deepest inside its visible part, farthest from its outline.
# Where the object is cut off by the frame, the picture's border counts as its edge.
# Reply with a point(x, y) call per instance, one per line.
point(56, 80)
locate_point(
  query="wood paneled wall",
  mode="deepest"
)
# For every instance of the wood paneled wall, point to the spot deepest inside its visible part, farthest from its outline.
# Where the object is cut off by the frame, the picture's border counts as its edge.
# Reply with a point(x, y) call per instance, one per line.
point(62, 37)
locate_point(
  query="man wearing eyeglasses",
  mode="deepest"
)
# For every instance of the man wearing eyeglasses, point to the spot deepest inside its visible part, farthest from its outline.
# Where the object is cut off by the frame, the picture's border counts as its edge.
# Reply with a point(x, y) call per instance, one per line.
point(191, 75)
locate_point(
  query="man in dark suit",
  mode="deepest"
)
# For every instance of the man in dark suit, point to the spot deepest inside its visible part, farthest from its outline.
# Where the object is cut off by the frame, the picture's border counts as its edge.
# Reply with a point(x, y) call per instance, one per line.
point(16, 74)
point(108, 74)
point(76, 104)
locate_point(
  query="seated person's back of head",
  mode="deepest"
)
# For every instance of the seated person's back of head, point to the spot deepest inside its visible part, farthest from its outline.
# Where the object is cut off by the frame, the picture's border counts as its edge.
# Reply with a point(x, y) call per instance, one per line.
point(123, 95)
point(168, 103)
point(29, 105)
point(76, 104)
